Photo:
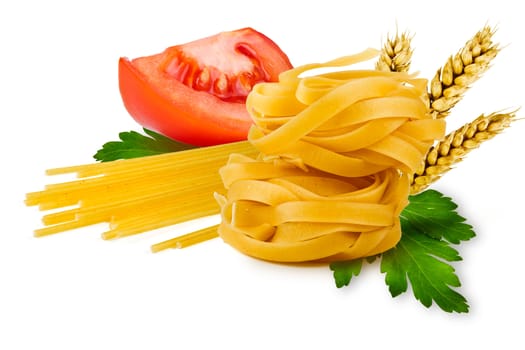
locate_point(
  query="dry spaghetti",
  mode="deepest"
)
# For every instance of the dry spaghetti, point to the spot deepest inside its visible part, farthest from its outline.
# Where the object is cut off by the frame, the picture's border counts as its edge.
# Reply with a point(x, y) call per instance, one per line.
point(136, 195)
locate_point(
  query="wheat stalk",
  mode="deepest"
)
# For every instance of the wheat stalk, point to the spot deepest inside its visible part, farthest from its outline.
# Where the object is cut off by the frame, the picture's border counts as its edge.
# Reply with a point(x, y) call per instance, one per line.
point(460, 71)
point(396, 54)
point(456, 145)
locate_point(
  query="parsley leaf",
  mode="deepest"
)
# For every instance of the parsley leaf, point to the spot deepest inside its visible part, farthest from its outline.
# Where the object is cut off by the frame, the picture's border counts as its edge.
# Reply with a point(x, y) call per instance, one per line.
point(133, 145)
point(416, 257)
point(429, 224)
point(345, 270)
point(433, 214)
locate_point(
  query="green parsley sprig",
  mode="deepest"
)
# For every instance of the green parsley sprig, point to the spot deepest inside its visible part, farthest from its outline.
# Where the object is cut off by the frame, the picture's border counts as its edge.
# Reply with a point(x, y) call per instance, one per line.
point(133, 145)
point(430, 225)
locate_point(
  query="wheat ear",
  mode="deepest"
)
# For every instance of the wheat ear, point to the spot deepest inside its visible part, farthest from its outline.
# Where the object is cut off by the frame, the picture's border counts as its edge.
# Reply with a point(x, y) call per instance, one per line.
point(451, 150)
point(396, 54)
point(461, 70)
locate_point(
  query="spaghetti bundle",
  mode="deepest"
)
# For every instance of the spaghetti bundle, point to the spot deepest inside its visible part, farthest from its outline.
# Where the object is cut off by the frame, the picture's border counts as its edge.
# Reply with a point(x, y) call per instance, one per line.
point(135, 195)
point(337, 150)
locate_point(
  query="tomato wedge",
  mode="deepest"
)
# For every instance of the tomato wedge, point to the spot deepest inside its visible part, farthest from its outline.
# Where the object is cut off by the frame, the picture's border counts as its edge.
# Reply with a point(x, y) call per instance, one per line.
point(196, 92)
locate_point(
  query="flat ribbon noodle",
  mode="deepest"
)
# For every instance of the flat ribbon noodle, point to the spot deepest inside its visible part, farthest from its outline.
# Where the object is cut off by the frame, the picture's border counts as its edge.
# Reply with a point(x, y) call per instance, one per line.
point(336, 153)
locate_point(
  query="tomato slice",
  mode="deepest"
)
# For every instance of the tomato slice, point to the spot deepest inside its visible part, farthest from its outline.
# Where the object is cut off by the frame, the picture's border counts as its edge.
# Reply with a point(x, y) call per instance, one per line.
point(196, 92)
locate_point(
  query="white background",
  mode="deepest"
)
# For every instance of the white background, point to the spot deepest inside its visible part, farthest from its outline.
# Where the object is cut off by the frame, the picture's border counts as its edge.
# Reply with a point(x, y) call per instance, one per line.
point(59, 102)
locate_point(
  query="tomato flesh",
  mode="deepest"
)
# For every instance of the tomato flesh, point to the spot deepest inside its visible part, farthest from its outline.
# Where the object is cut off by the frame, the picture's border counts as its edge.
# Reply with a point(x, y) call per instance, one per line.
point(215, 73)
point(196, 92)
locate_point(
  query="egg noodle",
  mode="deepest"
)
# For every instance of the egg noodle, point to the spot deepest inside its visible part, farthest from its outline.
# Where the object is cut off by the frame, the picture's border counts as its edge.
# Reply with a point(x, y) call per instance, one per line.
point(337, 150)
point(323, 176)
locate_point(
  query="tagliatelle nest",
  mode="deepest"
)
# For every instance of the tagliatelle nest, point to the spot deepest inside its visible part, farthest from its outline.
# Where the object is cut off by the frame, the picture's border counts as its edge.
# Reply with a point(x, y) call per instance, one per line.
point(337, 150)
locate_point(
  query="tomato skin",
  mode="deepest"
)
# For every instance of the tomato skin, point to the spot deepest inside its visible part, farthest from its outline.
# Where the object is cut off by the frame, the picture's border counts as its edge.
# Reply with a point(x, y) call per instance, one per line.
point(160, 102)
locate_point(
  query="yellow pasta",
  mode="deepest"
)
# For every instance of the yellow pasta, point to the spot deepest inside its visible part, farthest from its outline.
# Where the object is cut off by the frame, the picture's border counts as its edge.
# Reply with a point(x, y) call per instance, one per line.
point(332, 175)
point(136, 195)
point(290, 221)
point(323, 176)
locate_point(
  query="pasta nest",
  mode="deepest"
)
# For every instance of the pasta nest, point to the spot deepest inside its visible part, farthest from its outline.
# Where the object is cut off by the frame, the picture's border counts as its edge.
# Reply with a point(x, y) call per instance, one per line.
point(336, 153)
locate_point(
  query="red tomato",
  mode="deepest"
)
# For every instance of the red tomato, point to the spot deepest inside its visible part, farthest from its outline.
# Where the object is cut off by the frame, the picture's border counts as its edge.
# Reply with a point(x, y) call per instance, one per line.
point(196, 92)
